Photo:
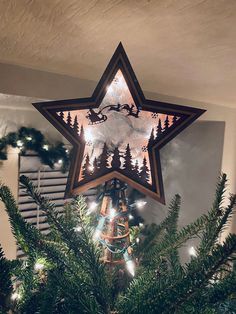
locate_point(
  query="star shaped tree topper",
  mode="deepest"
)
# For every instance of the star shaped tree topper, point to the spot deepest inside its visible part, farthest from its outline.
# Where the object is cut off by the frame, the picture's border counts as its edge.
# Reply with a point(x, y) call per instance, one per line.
point(117, 132)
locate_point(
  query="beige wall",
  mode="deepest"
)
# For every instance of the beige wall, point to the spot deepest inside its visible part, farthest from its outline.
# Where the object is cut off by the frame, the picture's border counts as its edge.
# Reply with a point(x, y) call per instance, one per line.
point(8, 176)
point(16, 112)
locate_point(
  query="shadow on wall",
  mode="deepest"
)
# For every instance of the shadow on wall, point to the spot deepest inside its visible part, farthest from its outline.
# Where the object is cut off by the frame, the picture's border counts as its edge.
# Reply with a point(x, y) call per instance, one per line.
point(191, 164)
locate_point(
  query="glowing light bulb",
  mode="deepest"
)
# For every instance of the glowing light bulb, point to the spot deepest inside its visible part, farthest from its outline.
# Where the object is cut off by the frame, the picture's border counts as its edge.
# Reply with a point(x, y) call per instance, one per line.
point(92, 208)
point(141, 224)
point(131, 216)
point(137, 240)
point(112, 213)
point(38, 266)
point(29, 138)
point(140, 204)
point(46, 147)
point(78, 228)
point(91, 168)
point(15, 296)
point(19, 143)
point(130, 267)
point(192, 251)
point(60, 161)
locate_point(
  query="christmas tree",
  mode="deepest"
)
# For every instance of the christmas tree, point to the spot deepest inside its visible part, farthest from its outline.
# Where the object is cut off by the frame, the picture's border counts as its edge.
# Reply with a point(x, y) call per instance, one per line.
point(144, 171)
point(86, 169)
point(76, 126)
point(63, 272)
point(116, 163)
point(103, 158)
point(128, 159)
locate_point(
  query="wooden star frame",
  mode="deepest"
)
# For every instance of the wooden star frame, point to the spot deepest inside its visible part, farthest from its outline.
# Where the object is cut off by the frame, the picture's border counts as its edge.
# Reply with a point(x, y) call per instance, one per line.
point(73, 117)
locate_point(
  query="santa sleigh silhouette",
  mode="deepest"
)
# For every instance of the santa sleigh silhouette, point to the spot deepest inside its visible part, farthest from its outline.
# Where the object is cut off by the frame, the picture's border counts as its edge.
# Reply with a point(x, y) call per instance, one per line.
point(96, 117)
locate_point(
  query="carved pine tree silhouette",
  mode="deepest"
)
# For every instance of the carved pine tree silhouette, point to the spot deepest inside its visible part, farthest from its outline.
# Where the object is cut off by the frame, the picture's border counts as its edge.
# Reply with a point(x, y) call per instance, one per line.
point(115, 163)
point(62, 115)
point(69, 120)
point(166, 123)
point(174, 119)
point(103, 158)
point(144, 171)
point(128, 159)
point(86, 169)
point(76, 125)
point(159, 129)
point(151, 139)
point(95, 166)
point(136, 171)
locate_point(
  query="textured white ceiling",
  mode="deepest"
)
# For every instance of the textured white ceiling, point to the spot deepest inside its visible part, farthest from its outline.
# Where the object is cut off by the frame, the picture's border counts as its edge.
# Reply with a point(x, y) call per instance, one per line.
point(182, 48)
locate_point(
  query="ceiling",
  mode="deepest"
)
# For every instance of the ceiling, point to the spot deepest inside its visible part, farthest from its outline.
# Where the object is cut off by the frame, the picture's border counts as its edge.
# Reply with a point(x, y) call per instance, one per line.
point(179, 48)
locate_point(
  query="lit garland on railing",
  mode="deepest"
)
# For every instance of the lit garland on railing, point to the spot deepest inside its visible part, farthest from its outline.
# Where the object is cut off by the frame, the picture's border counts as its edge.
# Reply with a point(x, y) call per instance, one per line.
point(30, 139)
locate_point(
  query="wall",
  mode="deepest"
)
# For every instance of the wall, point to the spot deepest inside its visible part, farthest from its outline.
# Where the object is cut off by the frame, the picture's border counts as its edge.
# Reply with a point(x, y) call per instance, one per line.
point(32, 85)
point(8, 176)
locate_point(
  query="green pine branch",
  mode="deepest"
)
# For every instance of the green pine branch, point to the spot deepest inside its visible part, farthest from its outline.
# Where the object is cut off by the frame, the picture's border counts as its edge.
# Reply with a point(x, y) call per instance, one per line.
point(6, 287)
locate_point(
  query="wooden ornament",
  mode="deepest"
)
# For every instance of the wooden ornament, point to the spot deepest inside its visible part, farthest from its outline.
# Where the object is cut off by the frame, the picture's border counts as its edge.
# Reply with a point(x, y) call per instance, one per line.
point(117, 132)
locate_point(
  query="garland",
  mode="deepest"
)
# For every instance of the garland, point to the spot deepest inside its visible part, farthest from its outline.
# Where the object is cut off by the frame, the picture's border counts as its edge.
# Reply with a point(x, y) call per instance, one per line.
point(31, 139)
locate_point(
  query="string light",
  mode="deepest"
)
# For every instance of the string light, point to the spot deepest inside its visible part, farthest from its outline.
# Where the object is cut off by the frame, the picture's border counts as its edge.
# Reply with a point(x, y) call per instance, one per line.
point(60, 161)
point(141, 224)
point(92, 208)
point(46, 147)
point(99, 228)
point(91, 168)
point(130, 267)
point(19, 143)
point(131, 216)
point(192, 251)
point(38, 266)
point(112, 213)
point(140, 204)
point(78, 228)
point(137, 240)
point(29, 138)
point(15, 296)
point(129, 262)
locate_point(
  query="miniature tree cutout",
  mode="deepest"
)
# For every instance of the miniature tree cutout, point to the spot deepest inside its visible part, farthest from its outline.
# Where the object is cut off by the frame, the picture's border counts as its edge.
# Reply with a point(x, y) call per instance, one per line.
point(62, 115)
point(69, 120)
point(103, 158)
point(95, 166)
point(115, 163)
point(159, 129)
point(76, 125)
point(144, 171)
point(136, 170)
point(174, 119)
point(166, 123)
point(86, 169)
point(151, 139)
point(128, 159)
